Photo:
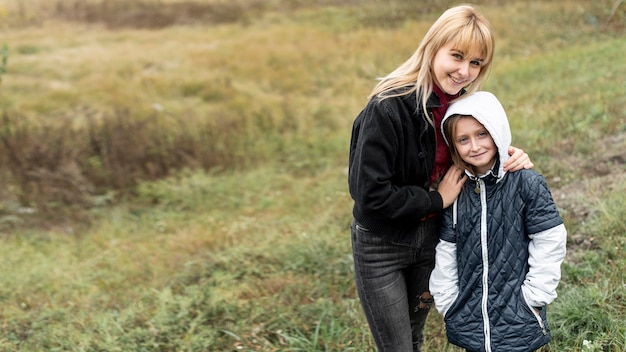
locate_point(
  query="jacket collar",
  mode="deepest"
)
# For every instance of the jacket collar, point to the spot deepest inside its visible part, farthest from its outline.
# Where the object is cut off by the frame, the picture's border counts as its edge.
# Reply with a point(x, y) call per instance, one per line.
point(434, 101)
point(491, 177)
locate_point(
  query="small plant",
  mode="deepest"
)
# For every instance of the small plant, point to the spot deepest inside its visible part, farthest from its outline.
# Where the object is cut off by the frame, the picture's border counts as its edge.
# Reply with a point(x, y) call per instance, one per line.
point(592, 346)
point(4, 53)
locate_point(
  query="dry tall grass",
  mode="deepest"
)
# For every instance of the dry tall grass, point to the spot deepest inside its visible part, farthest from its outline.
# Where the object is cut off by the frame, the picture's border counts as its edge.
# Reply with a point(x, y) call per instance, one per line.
point(100, 95)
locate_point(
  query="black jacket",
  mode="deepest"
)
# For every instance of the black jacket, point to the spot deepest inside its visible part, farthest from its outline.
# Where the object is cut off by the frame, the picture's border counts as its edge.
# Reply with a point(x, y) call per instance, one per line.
point(392, 154)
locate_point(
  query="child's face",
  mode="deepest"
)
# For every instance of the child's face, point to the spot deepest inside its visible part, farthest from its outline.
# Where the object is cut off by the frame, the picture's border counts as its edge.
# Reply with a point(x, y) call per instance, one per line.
point(474, 144)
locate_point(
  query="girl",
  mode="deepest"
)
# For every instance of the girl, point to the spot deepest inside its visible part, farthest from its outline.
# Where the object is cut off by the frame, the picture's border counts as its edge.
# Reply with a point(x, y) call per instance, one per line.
point(502, 242)
point(400, 177)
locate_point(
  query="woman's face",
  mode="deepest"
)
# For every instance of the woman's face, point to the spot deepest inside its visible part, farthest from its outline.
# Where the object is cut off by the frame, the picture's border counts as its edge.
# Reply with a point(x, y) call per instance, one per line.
point(454, 69)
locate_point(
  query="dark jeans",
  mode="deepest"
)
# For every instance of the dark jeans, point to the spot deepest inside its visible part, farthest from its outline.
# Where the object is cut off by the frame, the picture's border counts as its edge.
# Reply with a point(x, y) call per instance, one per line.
point(391, 279)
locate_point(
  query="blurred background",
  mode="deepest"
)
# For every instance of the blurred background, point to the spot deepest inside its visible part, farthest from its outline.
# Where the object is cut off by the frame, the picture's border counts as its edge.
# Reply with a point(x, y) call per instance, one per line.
point(173, 171)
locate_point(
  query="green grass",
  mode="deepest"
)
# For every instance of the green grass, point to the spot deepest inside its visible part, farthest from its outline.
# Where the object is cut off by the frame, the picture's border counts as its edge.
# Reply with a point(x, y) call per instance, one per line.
point(253, 254)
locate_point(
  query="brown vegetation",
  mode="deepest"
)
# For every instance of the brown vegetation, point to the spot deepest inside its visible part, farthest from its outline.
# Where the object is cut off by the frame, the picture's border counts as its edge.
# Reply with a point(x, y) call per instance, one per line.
point(155, 15)
point(57, 162)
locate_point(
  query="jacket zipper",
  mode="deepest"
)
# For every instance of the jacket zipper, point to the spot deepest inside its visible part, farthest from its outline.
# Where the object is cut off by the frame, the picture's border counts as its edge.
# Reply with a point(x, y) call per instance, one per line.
point(423, 132)
point(485, 257)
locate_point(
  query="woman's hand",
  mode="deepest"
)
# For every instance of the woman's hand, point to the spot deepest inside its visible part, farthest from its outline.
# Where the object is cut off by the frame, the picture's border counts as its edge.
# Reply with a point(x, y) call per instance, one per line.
point(451, 184)
point(519, 160)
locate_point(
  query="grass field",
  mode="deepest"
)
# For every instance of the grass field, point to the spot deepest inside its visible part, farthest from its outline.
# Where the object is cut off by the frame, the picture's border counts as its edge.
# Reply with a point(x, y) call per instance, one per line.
point(174, 171)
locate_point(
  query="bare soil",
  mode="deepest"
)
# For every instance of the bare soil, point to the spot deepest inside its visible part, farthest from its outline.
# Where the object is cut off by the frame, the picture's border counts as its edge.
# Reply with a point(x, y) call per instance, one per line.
point(601, 171)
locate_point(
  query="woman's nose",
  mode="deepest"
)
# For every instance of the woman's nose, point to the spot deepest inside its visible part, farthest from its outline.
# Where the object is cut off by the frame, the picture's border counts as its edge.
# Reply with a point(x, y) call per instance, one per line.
point(464, 68)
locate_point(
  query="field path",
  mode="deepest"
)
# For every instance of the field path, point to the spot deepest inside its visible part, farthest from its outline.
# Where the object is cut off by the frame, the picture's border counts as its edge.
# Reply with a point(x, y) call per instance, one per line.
point(602, 171)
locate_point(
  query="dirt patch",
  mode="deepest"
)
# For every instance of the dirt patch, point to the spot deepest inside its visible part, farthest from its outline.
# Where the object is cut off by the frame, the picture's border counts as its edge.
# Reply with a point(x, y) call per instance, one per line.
point(155, 15)
point(601, 171)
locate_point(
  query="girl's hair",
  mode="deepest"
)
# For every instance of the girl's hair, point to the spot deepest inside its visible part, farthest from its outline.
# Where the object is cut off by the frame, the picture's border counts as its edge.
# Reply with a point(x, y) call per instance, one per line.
point(462, 26)
point(449, 130)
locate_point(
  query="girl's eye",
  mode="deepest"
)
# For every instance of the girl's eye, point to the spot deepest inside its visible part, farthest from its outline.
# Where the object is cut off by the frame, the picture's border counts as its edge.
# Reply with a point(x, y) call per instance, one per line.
point(458, 56)
point(483, 134)
point(476, 63)
point(462, 140)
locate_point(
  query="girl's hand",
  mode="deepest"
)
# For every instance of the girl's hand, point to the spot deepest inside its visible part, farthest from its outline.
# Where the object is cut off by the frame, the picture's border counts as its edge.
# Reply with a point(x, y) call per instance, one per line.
point(451, 184)
point(519, 160)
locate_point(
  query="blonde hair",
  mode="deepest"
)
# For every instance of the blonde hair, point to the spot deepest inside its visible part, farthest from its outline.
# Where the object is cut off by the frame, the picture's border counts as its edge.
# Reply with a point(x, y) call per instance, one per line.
point(462, 26)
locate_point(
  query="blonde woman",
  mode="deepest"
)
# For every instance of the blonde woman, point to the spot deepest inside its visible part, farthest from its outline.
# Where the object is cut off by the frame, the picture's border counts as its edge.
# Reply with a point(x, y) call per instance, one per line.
point(400, 174)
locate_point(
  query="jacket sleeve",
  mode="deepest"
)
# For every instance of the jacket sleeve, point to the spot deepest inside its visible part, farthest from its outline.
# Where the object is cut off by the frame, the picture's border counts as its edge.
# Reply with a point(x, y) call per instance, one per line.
point(376, 142)
point(547, 251)
point(444, 278)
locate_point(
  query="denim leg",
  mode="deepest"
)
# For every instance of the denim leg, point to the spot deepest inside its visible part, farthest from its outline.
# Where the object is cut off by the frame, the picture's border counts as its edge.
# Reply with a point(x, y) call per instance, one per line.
point(418, 275)
point(390, 280)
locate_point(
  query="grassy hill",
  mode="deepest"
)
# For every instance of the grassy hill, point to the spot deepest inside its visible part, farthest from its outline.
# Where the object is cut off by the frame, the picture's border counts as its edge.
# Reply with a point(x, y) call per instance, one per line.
point(174, 171)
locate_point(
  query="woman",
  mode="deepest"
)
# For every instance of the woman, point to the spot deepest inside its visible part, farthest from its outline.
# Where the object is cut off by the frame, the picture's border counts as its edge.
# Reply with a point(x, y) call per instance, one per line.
point(400, 176)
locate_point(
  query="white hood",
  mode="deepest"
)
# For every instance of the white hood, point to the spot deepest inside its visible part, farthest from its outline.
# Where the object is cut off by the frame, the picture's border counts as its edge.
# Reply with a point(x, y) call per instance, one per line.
point(486, 109)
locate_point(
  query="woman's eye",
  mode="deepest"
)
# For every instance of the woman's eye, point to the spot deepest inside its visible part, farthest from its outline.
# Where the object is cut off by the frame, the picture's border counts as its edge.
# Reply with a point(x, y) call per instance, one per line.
point(475, 63)
point(458, 56)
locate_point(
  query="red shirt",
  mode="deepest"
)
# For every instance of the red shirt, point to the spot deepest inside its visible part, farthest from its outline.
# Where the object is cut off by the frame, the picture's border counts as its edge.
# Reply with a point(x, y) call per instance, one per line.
point(442, 156)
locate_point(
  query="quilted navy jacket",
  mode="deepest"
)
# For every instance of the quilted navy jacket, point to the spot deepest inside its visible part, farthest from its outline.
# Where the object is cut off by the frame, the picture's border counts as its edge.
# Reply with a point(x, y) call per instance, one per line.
point(500, 250)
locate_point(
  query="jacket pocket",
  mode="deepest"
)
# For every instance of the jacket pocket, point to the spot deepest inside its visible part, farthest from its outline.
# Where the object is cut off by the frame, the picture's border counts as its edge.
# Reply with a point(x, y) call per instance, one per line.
point(360, 227)
point(446, 310)
point(534, 312)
